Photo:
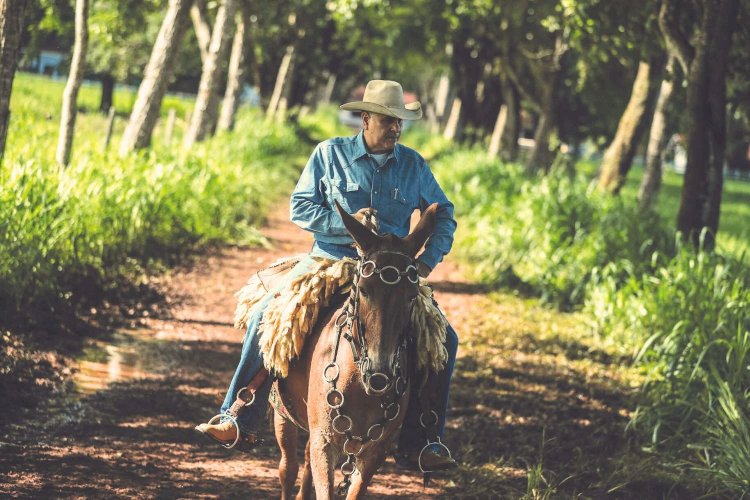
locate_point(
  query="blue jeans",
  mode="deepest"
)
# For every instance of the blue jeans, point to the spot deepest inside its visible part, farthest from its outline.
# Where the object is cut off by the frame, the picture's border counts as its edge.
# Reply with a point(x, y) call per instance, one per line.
point(412, 435)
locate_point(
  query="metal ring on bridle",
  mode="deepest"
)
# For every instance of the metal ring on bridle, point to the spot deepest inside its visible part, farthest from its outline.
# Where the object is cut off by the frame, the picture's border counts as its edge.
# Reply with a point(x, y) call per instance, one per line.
point(377, 427)
point(351, 440)
point(346, 472)
point(236, 426)
point(252, 400)
point(388, 408)
point(335, 392)
point(386, 385)
point(368, 273)
point(331, 379)
point(343, 418)
point(421, 419)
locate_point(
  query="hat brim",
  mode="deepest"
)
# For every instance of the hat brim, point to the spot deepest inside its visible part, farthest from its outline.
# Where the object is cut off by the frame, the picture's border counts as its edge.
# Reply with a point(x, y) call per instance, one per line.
point(411, 111)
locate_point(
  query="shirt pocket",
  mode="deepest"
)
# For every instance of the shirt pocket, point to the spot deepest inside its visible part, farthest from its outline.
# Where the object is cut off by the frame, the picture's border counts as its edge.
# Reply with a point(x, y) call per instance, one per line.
point(350, 195)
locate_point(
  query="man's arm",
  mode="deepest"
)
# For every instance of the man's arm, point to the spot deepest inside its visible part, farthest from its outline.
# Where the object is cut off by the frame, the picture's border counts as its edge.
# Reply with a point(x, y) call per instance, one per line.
point(308, 206)
point(441, 240)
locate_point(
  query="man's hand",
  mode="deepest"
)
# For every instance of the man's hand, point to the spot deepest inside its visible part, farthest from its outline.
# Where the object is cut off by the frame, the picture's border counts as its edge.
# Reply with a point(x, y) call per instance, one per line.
point(367, 216)
point(423, 269)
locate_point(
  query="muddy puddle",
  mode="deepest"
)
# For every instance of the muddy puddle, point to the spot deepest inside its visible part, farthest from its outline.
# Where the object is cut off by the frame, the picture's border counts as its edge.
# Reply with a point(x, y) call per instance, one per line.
point(121, 358)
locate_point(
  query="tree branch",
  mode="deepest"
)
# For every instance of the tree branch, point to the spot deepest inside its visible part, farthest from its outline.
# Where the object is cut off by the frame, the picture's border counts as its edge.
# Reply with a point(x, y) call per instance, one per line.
point(677, 42)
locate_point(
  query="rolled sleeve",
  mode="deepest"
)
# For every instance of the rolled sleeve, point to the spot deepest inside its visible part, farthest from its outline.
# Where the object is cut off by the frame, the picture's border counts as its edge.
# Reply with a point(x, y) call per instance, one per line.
point(309, 207)
point(441, 241)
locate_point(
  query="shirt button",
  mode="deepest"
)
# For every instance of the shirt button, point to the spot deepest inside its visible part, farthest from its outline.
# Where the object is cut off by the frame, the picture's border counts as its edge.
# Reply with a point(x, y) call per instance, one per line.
point(376, 192)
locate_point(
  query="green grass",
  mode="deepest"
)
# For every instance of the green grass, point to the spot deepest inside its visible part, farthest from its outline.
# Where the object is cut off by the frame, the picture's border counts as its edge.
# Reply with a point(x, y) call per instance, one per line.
point(104, 216)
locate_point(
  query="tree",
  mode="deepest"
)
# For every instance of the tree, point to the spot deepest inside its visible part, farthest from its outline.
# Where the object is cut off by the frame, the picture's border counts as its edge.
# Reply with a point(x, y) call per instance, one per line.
point(151, 91)
point(75, 78)
point(699, 35)
point(11, 26)
point(236, 74)
point(651, 182)
point(619, 155)
point(207, 102)
point(199, 16)
point(121, 36)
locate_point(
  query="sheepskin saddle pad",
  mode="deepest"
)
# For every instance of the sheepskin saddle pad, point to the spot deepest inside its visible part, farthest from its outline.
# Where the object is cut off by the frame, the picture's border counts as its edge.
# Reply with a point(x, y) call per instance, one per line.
point(294, 291)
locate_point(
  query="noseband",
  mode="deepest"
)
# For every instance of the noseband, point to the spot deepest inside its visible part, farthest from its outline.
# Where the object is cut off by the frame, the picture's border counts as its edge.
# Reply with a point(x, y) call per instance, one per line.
point(345, 327)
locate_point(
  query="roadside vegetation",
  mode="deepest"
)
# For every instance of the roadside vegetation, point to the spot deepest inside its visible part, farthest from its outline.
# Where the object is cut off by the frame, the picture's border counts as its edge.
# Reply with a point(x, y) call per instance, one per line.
point(680, 316)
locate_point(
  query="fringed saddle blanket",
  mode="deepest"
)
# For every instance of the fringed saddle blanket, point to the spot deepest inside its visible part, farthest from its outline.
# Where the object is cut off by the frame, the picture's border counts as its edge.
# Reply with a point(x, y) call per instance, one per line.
point(309, 286)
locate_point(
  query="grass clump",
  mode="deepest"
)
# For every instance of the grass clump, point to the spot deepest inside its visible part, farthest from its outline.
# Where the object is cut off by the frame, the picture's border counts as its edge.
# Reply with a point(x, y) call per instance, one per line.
point(68, 231)
point(688, 327)
point(544, 235)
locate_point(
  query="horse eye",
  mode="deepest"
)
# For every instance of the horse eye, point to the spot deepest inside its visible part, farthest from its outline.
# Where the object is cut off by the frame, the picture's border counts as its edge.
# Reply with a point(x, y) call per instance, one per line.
point(363, 292)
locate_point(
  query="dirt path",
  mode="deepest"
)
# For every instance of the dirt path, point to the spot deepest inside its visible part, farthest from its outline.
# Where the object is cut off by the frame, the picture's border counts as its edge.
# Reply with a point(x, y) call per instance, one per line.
point(135, 438)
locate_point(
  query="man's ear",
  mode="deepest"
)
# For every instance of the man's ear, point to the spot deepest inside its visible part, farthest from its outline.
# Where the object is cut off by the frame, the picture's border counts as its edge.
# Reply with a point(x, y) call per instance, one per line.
point(423, 231)
point(365, 239)
point(365, 120)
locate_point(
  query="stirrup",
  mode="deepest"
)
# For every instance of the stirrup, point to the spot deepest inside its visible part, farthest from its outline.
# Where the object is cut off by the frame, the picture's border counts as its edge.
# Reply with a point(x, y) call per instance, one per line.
point(236, 426)
point(425, 447)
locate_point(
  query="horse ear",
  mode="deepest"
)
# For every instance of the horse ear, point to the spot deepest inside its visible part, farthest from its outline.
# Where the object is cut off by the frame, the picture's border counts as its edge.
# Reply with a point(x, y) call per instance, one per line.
point(424, 229)
point(365, 239)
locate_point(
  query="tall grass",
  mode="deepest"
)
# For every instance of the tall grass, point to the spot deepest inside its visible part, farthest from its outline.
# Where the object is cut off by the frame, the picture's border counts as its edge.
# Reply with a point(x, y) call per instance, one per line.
point(683, 315)
point(547, 234)
point(66, 228)
point(688, 324)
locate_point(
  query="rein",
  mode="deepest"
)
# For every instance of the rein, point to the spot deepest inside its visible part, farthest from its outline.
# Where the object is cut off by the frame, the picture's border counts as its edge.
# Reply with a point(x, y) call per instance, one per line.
point(346, 322)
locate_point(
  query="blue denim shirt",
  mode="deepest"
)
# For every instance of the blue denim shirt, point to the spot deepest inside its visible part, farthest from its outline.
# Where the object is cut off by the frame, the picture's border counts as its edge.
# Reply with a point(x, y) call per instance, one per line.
point(340, 169)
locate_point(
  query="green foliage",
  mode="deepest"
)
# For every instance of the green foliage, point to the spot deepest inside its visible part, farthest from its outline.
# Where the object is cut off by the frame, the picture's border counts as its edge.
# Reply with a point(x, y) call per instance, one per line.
point(93, 221)
point(688, 325)
point(547, 234)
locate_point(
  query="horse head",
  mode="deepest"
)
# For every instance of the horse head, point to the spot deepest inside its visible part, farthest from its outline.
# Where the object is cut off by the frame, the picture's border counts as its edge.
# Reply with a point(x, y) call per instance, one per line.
point(386, 285)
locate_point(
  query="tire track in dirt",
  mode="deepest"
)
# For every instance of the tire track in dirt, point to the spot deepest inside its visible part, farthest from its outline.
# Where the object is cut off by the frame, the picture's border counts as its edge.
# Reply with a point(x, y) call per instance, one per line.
point(135, 438)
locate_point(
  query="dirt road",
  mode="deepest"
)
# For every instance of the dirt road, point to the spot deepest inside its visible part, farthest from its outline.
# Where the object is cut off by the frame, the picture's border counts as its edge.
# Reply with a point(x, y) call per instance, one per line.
point(135, 439)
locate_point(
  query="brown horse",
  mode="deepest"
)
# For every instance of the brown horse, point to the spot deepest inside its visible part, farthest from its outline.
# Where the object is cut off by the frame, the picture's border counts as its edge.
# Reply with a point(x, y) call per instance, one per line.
point(350, 385)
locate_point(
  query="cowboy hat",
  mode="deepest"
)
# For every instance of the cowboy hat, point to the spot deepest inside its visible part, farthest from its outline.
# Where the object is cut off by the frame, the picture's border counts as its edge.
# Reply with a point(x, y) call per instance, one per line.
point(386, 98)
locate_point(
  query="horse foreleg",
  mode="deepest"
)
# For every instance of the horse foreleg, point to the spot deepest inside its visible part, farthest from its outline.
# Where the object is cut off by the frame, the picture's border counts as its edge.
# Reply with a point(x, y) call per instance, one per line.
point(322, 462)
point(286, 436)
point(367, 468)
point(306, 488)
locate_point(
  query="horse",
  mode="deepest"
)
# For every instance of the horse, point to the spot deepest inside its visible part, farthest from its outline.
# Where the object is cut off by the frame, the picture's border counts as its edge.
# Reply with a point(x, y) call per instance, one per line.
point(350, 385)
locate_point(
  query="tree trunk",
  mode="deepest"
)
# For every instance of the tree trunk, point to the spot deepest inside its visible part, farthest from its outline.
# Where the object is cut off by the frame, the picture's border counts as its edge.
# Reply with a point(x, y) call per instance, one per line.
point(236, 74)
point(282, 78)
point(75, 78)
point(108, 92)
point(706, 63)
point(619, 155)
point(499, 131)
point(156, 78)
point(11, 26)
point(454, 120)
point(512, 130)
point(207, 102)
point(540, 157)
point(202, 28)
point(549, 76)
point(651, 182)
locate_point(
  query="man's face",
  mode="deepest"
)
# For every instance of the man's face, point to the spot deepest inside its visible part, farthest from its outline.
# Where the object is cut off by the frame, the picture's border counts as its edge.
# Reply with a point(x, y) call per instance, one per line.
point(381, 132)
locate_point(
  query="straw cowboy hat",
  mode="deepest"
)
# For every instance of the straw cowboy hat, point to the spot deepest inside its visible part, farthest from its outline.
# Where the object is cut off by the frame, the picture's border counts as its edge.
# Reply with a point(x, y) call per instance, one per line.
point(387, 98)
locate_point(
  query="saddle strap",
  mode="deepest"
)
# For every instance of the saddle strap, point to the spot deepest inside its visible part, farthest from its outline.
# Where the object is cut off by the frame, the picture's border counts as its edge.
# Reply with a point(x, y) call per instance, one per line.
point(276, 399)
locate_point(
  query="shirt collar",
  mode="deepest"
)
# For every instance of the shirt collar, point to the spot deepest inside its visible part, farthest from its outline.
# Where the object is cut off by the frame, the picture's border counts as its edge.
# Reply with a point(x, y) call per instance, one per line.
point(360, 149)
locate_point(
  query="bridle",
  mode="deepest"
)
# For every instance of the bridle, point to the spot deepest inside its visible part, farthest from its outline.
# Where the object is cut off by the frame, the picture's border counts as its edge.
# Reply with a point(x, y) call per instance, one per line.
point(346, 323)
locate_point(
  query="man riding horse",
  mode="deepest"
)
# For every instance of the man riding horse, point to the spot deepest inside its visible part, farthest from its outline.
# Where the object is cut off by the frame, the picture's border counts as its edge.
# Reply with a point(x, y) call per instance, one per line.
point(381, 183)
